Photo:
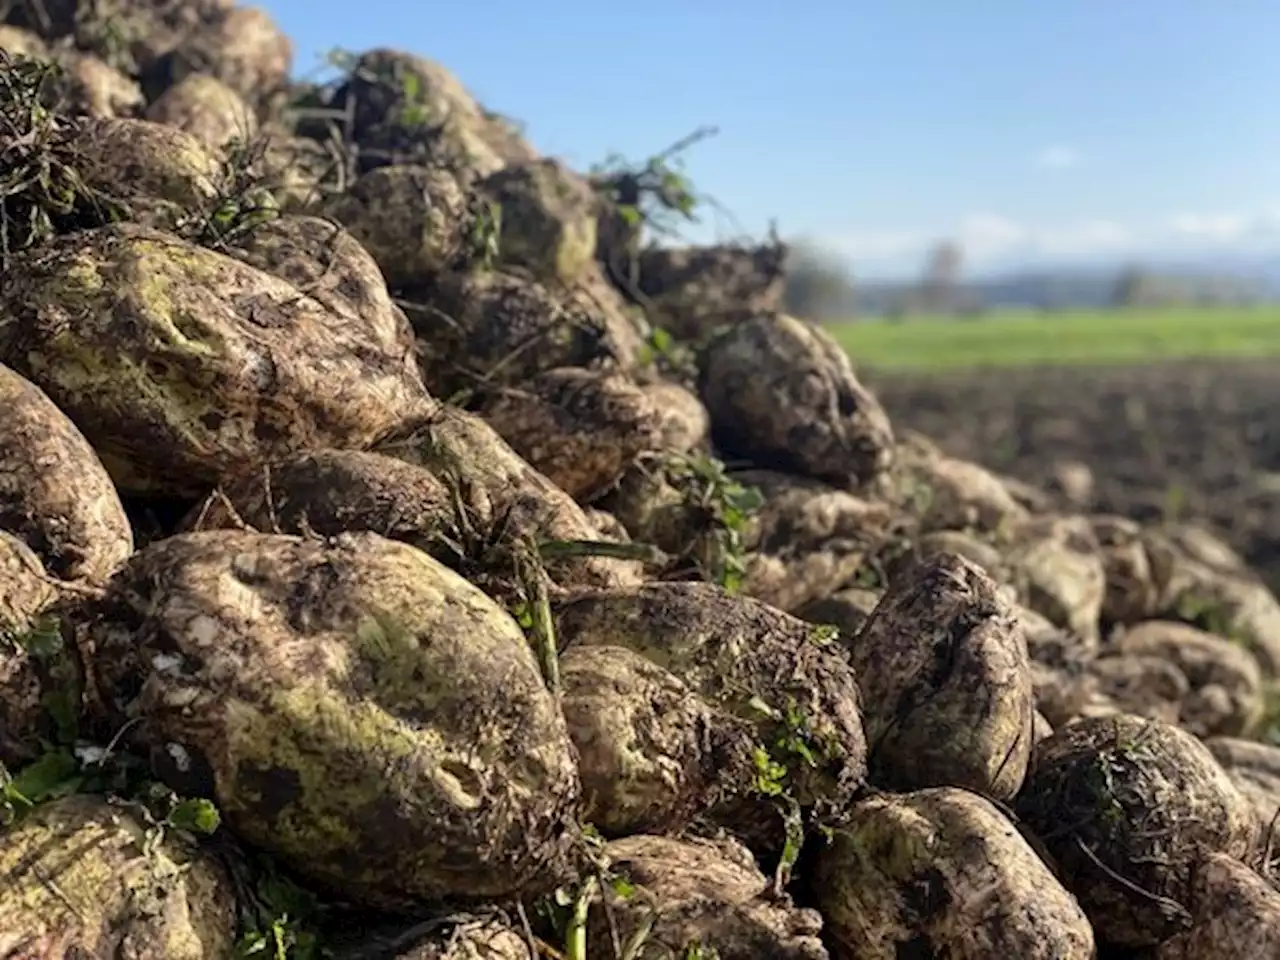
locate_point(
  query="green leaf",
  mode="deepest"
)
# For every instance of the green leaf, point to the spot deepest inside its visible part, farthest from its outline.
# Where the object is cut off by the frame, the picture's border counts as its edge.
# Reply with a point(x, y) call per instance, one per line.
point(801, 748)
point(64, 708)
point(252, 944)
point(414, 116)
point(44, 640)
point(769, 773)
point(523, 615)
point(51, 775)
point(623, 887)
point(824, 634)
point(196, 815)
point(794, 821)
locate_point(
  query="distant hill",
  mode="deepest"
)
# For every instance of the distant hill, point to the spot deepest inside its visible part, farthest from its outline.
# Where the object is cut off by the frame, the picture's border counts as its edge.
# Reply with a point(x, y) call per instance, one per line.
point(1090, 287)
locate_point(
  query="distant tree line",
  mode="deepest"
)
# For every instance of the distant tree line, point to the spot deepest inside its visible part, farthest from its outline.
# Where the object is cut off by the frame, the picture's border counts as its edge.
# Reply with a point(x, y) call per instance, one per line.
point(940, 290)
point(1140, 287)
point(821, 287)
point(819, 284)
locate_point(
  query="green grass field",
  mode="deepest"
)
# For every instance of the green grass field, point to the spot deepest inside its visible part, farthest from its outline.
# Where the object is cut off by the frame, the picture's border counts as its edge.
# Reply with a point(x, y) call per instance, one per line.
point(1075, 337)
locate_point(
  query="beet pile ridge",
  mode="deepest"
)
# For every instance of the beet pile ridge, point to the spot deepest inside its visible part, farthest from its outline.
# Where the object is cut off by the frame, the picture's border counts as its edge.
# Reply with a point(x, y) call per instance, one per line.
point(401, 556)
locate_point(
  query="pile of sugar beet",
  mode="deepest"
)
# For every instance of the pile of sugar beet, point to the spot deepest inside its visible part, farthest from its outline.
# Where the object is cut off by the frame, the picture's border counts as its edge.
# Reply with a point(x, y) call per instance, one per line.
point(403, 557)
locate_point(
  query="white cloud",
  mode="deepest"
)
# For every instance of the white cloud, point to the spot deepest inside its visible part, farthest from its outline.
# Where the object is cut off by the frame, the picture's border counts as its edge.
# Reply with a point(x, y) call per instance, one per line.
point(1089, 237)
point(1214, 227)
point(879, 245)
point(988, 237)
point(992, 240)
point(1057, 157)
point(983, 235)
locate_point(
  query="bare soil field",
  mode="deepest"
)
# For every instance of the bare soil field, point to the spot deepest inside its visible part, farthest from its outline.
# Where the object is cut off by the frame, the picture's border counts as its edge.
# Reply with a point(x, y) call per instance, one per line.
point(1199, 439)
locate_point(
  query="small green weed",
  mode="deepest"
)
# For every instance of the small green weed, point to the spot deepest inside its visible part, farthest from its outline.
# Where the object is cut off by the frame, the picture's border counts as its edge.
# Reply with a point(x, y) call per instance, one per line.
point(796, 745)
point(41, 192)
point(674, 360)
point(244, 200)
point(567, 911)
point(723, 509)
point(278, 918)
point(276, 912)
point(655, 194)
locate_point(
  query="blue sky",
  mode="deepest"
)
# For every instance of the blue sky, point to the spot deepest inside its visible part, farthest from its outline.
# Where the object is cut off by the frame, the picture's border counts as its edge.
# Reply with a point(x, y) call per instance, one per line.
point(1031, 131)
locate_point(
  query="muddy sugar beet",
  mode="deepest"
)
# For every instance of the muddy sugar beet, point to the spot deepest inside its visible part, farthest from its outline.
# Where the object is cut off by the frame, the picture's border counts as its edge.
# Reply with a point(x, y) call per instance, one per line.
point(351, 705)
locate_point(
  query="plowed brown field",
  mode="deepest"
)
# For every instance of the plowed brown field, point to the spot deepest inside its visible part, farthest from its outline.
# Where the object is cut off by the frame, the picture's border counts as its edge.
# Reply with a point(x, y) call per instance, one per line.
point(1199, 438)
